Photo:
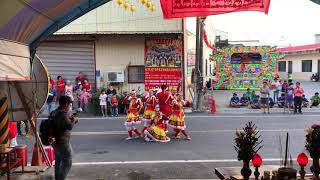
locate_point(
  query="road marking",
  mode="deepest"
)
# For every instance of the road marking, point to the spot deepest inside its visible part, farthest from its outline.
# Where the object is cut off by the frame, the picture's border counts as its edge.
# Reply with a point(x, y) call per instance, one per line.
point(209, 131)
point(166, 162)
point(213, 116)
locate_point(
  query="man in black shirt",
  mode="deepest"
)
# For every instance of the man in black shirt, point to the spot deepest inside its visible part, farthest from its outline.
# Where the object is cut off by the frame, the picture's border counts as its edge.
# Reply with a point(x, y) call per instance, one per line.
point(62, 126)
point(110, 92)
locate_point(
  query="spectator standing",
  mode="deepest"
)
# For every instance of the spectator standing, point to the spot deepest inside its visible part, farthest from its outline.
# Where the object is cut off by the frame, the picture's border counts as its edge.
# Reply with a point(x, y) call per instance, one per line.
point(125, 102)
point(60, 87)
point(110, 92)
point(289, 97)
point(80, 78)
point(277, 88)
point(69, 91)
point(298, 92)
point(84, 99)
point(315, 100)
point(51, 81)
point(78, 94)
point(50, 99)
point(114, 105)
point(265, 93)
point(284, 87)
point(62, 126)
point(87, 85)
point(249, 94)
point(103, 102)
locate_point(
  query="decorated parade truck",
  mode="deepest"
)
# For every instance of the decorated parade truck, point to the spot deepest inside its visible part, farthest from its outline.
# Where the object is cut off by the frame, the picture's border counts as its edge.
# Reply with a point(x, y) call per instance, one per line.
point(242, 67)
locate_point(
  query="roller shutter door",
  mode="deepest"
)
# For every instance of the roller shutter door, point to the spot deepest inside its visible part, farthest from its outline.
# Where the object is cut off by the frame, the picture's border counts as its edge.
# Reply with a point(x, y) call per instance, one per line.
point(68, 58)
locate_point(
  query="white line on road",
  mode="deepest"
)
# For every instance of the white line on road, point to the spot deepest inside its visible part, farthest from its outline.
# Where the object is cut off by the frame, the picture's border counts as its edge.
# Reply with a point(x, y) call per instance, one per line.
point(166, 162)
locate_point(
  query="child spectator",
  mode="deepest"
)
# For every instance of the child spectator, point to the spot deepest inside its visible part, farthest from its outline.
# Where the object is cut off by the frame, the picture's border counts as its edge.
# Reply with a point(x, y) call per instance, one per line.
point(78, 94)
point(315, 100)
point(281, 101)
point(249, 94)
point(84, 99)
point(103, 102)
point(69, 91)
point(284, 87)
point(13, 133)
point(87, 85)
point(305, 101)
point(271, 102)
point(244, 100)
point(256, 103)
point(114, 105)
point(126, 102)
point(289, 97)
point(235, 101)
point(50, 99)
point(60, 87)
point(265, 94)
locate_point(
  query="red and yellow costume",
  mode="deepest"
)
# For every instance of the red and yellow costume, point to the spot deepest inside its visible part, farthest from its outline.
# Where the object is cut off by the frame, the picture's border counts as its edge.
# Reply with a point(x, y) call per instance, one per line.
point(135, 106)
point(149, 111)
point(156, 132)
point(176, 119)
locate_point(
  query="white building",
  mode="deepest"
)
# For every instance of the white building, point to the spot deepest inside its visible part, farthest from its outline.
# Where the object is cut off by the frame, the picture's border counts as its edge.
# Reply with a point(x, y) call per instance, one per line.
point(301, 61)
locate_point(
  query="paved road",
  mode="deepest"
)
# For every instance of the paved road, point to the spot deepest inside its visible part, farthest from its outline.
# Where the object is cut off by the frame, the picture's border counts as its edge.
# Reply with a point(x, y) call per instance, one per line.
point(100, 151)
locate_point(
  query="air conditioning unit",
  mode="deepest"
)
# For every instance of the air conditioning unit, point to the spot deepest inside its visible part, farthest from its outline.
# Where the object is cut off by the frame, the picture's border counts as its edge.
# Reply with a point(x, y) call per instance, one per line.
point(114, 76)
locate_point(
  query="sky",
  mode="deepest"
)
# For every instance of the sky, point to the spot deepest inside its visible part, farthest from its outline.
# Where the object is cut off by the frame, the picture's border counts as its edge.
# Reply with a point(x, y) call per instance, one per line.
point(291, 22)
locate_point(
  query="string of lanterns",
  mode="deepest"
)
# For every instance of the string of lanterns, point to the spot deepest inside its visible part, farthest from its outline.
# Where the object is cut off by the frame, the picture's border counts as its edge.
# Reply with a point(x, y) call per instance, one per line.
point(147, 3)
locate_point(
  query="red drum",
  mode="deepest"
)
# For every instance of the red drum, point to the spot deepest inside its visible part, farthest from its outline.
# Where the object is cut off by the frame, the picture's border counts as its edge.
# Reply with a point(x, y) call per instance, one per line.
point(50, 153)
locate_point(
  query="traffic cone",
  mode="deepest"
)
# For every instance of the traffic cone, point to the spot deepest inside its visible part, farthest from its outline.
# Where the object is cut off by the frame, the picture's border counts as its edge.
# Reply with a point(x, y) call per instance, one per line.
point(36, 156)
point(213, 106)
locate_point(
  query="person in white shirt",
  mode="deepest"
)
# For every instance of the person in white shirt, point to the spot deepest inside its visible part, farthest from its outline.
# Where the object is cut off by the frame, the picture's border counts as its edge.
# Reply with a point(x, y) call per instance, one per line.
point(103, 102)
point(277, 88)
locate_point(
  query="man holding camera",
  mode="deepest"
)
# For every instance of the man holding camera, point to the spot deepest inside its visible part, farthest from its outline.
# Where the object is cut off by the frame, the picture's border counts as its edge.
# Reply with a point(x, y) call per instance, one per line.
point(62, 126)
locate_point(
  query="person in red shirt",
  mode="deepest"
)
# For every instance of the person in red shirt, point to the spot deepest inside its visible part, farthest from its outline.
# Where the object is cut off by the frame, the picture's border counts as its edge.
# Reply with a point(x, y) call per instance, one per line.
point(87, 85)
point(165, 108)
point(60, 86)
point(51, 81)
point(80, 78)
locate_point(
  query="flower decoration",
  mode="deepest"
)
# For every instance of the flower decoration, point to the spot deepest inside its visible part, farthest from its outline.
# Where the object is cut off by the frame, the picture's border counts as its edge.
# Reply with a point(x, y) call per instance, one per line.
point(247, 142)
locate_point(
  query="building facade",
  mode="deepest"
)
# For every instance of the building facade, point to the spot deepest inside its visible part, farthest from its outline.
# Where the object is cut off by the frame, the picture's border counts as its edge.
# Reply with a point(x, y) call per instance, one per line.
point(301, 61)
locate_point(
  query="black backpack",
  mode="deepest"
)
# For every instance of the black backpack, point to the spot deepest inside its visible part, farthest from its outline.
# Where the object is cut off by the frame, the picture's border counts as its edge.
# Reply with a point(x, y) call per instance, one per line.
point(46, 130)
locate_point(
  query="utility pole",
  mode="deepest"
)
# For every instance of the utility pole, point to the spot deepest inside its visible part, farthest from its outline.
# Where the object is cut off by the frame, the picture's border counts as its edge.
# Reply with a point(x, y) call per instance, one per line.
point(198, 98)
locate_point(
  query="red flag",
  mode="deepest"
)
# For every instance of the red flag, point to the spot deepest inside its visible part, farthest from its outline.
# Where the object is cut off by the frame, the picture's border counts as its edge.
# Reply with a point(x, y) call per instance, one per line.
point(200, 8)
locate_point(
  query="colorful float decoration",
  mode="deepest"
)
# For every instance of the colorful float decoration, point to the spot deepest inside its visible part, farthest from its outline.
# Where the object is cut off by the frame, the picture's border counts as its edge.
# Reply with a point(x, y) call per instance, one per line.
point(242, 67)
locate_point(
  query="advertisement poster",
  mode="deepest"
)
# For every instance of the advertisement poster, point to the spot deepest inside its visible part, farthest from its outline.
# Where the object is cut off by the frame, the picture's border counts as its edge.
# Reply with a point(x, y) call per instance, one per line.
point(163, 63)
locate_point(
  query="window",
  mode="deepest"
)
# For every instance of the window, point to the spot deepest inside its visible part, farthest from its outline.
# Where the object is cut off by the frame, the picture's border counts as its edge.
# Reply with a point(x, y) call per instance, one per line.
point(307, 66)
point(282, 66)
point(246, 58)
point(136, 74)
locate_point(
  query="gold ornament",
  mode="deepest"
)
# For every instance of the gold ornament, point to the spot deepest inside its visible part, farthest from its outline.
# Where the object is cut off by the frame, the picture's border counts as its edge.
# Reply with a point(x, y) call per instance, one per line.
point(126, 5)
point(120, 2)
point(132, 8)
point(144, 1)
point(153, 8)
point(149, 4)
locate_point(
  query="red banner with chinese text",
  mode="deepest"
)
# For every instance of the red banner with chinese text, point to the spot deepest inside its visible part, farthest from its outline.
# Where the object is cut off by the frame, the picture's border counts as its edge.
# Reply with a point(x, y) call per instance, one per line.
point(156, 76)
point(201, 8)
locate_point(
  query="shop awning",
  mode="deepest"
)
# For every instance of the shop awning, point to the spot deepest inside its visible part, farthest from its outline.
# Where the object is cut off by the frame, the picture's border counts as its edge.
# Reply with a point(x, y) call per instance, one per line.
point(24, 23)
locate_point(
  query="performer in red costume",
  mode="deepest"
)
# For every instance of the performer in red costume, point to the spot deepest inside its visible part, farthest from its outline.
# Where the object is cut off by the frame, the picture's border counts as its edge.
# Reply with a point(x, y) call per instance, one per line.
point(133, 118)
point(150, 101)
point(165, 108)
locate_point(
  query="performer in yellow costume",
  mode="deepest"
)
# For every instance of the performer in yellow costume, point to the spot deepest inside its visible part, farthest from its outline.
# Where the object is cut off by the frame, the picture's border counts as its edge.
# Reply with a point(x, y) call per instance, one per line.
point(156, 131)
point(133, 118)
point(149, 110)
point(177, 118)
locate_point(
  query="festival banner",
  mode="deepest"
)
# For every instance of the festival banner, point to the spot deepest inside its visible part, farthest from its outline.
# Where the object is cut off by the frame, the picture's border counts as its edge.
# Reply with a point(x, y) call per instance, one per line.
point(201, 8)
point(163, 63)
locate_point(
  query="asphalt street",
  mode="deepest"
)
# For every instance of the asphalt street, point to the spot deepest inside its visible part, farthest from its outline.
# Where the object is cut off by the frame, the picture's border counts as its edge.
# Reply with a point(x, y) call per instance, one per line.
point(101, 152)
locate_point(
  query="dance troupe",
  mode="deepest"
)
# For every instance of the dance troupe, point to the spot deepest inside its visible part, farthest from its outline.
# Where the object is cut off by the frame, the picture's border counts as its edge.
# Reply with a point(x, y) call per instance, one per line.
point(162, 110)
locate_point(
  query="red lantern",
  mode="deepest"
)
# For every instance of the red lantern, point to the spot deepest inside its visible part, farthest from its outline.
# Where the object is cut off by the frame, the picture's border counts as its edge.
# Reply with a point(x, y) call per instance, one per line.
point(302, 159)
point(256, 160)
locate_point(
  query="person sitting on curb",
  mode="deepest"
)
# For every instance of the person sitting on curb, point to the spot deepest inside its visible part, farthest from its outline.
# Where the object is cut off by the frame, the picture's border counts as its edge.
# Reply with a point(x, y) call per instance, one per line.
point(244, 100)
point(281, 101)
point(305, 101)
point(256, 102)
point(315, 100)
point(235, 101)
